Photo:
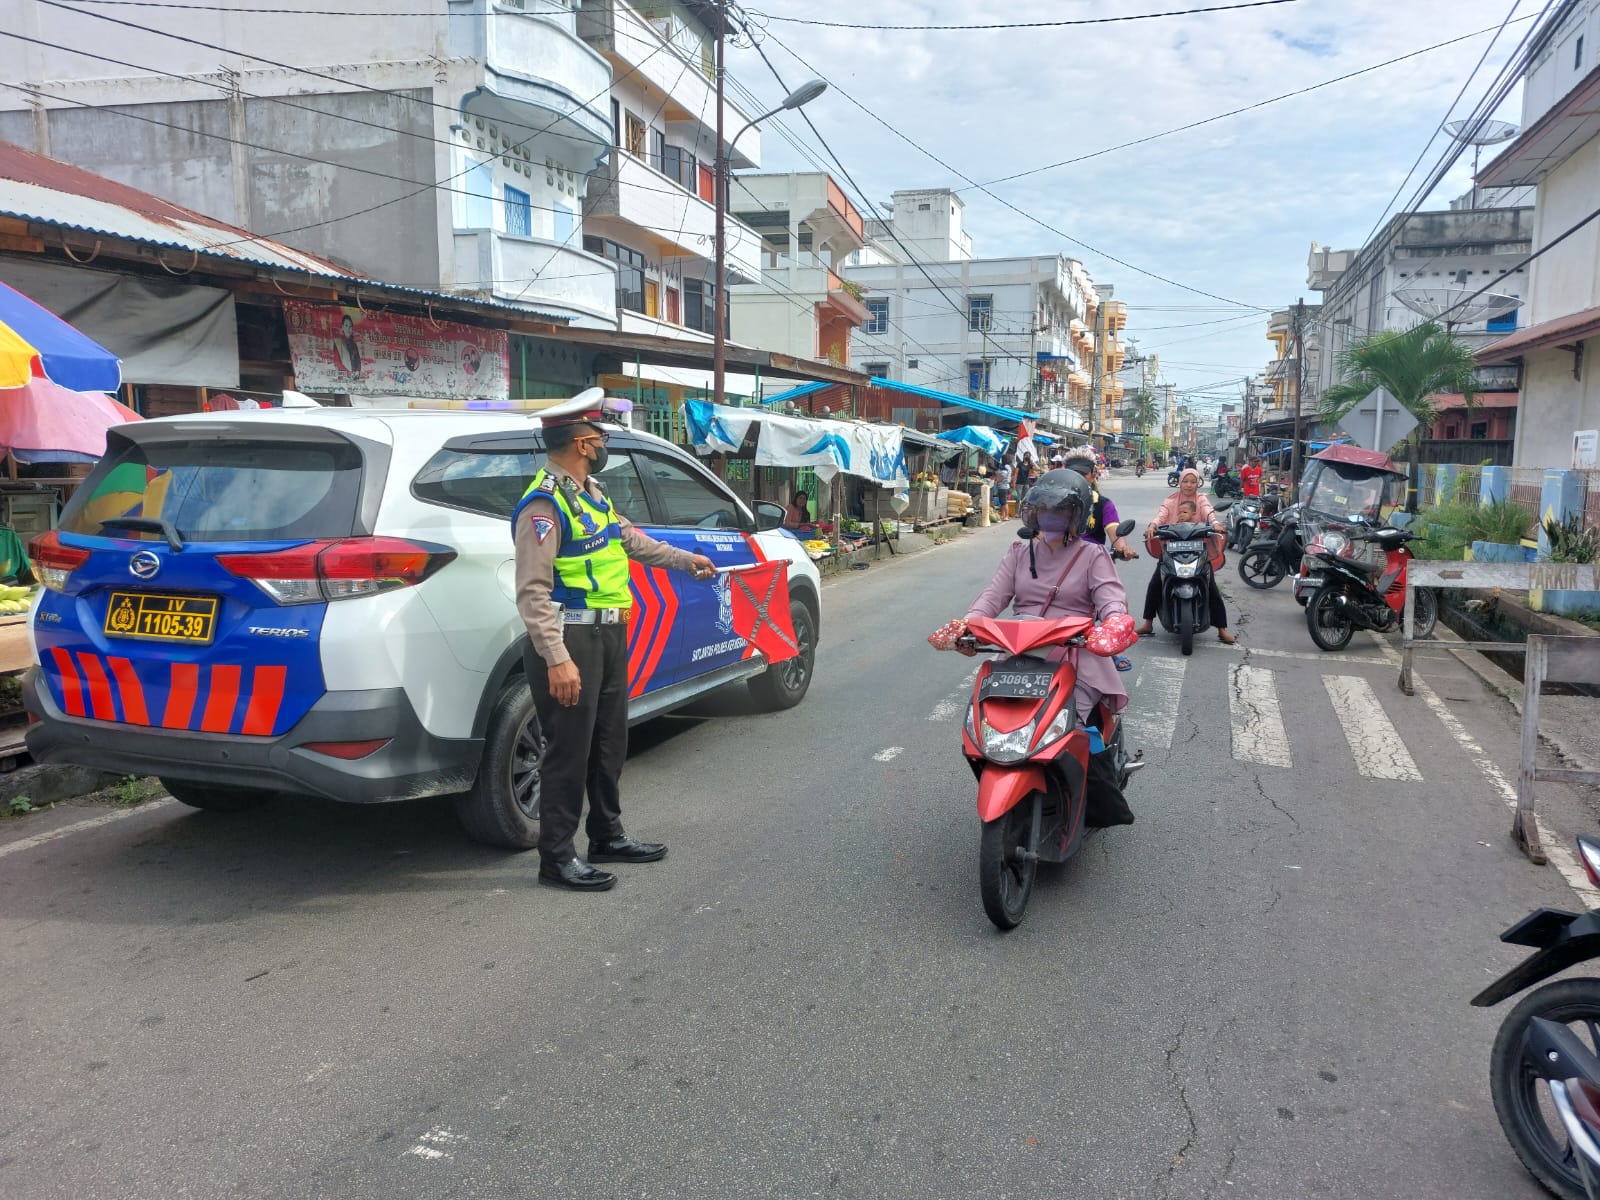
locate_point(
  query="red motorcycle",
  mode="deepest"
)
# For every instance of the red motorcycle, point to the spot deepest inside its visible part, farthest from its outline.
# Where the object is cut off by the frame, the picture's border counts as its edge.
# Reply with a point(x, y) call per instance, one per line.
point(1030, 753)
point(1359, 576)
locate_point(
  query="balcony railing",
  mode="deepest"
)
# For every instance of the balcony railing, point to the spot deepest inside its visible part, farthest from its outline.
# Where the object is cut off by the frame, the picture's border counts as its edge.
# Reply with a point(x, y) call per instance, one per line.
point(630, 190)
point(541, 274)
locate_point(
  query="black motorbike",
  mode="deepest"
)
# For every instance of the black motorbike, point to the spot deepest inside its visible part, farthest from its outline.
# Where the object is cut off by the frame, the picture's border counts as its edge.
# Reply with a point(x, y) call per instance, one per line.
point(1226, 487)
point(1172, 477)
point(1184, 570)
point(1544, 1072)
point(1275, 552)
point(1358, 579)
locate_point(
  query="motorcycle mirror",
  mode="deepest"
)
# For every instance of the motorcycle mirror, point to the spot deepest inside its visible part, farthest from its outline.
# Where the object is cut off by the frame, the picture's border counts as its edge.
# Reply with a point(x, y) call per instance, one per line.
point(1124, 528)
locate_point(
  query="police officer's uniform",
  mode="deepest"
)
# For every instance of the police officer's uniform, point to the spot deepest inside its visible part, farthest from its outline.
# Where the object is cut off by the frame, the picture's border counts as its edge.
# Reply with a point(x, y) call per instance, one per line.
point(572, 554)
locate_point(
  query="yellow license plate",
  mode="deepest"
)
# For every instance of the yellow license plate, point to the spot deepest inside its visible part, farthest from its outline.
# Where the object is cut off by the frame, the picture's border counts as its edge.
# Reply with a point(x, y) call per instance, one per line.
point(159, 617)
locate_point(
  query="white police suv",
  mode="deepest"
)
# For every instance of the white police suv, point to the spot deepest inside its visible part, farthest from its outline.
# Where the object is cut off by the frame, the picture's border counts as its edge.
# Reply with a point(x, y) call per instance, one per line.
point(320, 601)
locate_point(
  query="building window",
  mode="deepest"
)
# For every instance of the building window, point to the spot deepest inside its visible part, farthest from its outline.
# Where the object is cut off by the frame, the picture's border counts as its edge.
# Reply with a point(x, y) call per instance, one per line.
point(479, 187)
point(678, 165)
point(633, 130)
point(877, 317)
point(616, 124)
point(1504, 323)
point(911, 364)
point(978, 377)
point(630, 271)
point(980, 313)
point(1577, 53)
point(1479, 430)
point(519, 212)
point(658, 149)
point(700, 305)
point(877, 370)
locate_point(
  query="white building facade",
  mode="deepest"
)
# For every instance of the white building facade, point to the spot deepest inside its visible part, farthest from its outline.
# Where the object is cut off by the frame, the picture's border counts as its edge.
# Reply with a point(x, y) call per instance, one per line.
point(1558, 152)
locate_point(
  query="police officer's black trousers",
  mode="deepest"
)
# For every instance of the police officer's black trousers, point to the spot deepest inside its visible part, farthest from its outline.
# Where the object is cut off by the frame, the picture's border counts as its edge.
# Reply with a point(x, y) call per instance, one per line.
point(585, 745)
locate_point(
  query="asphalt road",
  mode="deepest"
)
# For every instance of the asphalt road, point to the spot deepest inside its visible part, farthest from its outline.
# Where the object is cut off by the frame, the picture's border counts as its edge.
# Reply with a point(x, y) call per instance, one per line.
point(1258, 990)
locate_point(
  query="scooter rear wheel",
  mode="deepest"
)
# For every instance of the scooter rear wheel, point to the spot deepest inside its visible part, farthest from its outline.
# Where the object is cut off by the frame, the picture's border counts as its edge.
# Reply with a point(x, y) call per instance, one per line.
point(1527, 1115)
point(1005, 879)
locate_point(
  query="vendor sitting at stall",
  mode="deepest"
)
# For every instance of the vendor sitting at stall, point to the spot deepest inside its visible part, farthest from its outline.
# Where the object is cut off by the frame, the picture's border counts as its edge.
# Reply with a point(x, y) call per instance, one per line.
point(799, 514)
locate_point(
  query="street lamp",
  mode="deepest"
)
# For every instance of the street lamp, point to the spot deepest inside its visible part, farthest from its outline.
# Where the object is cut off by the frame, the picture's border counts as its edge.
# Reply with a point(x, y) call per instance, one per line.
point(804, 94)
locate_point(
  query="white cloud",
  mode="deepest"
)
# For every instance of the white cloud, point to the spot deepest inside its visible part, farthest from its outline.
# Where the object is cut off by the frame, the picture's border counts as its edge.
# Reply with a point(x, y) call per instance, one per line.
point(1230, 208)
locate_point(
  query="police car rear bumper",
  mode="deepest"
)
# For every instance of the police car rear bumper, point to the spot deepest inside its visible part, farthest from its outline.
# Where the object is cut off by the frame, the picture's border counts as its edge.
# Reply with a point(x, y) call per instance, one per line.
point(411, 763)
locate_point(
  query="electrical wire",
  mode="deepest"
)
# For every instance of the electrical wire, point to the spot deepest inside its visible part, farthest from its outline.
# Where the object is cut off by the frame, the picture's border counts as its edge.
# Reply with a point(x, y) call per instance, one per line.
point(1043, 224)
point(1181, 12)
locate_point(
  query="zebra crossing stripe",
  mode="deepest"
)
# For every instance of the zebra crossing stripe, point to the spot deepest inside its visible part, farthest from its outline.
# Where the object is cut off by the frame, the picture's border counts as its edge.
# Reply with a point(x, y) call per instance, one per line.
point(1258, 732)
point(1374, 741)
point(1150, 719)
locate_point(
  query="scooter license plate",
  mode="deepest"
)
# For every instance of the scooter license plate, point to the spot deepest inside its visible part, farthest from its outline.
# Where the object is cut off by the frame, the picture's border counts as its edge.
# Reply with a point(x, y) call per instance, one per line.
point(1018, 681)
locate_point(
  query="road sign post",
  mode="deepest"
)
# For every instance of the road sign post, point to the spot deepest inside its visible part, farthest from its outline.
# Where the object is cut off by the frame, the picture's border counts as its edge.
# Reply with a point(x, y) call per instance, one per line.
point(1378, 422)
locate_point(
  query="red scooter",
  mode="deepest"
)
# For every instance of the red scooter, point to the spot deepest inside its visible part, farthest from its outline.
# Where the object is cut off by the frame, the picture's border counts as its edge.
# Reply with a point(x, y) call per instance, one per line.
point(1030, 753)
point(1356, 577)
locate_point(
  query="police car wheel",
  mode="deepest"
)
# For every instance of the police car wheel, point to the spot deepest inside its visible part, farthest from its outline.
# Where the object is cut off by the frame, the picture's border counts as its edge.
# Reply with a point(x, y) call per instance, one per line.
point(502, 807)
point(783, 685)
point(214, 797)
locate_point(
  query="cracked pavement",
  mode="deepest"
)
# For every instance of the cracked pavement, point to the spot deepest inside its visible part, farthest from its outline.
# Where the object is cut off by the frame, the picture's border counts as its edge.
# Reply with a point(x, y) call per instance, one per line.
point(1258, 990)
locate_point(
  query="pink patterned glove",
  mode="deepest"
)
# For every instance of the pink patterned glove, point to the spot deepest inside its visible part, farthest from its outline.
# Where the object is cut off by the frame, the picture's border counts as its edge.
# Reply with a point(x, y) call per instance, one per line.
point(944, 637)
point(1113, 636)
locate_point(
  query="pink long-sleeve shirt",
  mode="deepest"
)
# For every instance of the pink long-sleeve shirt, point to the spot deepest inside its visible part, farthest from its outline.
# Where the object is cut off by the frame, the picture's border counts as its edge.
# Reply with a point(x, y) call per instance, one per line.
point(1091, 589)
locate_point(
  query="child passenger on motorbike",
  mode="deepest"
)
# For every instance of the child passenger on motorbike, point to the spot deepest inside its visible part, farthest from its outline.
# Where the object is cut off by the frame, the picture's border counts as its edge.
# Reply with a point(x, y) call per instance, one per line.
point(1054, 572)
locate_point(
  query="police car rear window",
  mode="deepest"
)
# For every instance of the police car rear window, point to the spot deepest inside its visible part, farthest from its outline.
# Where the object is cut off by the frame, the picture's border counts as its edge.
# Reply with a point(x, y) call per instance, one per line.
point(225, 491)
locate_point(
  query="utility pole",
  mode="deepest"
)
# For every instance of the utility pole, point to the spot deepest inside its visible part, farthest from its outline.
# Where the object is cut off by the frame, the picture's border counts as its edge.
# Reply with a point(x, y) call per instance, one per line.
point(1299, 386)
point(1097, 380)
point(719, 337)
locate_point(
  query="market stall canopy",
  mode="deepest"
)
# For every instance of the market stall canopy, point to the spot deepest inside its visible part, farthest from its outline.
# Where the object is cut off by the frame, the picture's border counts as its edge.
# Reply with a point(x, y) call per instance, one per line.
point(35, 342)
point(874, 452)
point(45, 422)
point(953, 401)
point(988, 440)
point(1355, 456)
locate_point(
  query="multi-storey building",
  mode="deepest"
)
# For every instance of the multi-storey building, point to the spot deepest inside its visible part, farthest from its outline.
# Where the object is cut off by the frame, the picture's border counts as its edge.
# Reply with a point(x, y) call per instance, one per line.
point(1558, 152)
point(800, 305)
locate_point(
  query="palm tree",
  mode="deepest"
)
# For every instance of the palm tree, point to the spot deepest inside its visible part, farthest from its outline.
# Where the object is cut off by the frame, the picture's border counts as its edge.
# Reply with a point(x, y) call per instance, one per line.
point(1142, 411)
point(1415, 365)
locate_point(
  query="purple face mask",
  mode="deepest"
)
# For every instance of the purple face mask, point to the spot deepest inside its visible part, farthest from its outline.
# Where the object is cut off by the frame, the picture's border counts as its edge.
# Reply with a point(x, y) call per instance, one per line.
point(1051, 522)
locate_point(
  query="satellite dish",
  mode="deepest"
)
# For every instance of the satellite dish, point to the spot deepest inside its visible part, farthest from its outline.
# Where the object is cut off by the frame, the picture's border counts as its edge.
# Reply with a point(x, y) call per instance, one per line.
point(1479, 134)
point(1451, 306)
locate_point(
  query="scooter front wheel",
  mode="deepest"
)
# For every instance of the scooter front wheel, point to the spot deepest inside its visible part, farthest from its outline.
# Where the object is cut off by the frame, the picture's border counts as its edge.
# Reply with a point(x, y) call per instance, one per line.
point(1520, 1101)
point(1008, 863)
point(1330, 628)
point(1261, 569)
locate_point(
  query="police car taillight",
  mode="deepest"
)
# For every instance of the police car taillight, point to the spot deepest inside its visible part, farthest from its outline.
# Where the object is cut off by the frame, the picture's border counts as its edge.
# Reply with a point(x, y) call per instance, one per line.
point(338, 568)
point(54, 563)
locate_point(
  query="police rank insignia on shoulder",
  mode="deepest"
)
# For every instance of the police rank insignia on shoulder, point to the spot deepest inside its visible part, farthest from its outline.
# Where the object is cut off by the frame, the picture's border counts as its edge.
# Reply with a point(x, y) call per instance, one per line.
point(542, 527)
point(569, 489)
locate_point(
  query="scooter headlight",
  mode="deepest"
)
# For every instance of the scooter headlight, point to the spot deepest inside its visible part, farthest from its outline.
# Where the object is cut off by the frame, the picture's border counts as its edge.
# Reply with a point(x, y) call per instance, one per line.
point(1185, 570)
point(1059, 727)
point(1007, 747)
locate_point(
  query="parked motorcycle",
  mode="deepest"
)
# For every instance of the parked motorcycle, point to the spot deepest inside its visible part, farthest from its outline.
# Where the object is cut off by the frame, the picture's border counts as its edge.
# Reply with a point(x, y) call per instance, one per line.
point(1226, 486)
point(1184, 568)
point(1244, 518)
point(1275, 553)
point(1030, 752)
point(1356, 579)
point(1544, 1075)
point(1172, 477)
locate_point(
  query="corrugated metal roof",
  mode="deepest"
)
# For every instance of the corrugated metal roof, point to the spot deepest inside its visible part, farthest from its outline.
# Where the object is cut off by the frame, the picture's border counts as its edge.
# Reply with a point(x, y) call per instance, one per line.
point(48, 192)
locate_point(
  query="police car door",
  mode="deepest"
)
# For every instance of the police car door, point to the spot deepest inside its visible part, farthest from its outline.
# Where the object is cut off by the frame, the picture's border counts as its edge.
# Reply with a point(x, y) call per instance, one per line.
point(695, 512)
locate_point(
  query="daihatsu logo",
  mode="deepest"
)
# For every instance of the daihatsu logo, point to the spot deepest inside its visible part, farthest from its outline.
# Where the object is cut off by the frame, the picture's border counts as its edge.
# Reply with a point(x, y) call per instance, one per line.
point(144, 565)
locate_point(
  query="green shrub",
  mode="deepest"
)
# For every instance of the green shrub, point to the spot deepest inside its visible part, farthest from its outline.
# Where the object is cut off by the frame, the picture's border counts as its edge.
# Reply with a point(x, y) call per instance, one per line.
point(1504, 521)
point(1571, 542)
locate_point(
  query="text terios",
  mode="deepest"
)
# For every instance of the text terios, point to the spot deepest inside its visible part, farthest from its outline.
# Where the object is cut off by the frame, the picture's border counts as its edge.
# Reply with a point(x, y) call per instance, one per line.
point(717, 648)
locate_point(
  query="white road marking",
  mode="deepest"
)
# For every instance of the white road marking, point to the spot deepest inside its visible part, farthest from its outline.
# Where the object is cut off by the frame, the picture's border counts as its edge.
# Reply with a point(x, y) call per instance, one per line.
point(1154, 710)
point(39, 839)
point(1258, 732)
point(1374, 741)
point(889, 754)
point(1561, 858)
point(953, 704)
point(430, 1144)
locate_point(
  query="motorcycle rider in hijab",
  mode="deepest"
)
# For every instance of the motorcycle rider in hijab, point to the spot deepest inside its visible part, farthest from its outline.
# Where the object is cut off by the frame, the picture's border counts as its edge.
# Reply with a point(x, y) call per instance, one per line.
point(1054, 572)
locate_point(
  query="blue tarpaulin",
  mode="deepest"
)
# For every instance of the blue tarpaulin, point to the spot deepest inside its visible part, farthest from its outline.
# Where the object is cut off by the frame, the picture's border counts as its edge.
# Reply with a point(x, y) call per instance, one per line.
point(988, 440)
point(794, 393)
point(953, 401)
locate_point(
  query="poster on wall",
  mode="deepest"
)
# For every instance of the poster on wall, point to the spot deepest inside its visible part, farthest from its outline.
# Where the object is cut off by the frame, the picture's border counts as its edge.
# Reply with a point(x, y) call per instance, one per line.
point(367, 353)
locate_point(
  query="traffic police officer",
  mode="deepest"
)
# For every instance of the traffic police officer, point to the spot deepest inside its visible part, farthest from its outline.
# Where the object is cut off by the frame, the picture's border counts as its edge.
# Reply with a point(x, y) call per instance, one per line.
point(572, 592)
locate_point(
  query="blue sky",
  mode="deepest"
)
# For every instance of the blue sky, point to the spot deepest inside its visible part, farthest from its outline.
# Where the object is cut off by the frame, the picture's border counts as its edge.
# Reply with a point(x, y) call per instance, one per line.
point(1230, 208)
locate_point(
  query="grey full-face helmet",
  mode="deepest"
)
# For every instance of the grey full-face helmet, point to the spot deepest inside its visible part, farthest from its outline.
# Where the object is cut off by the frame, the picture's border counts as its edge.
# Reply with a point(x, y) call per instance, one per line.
point(1058, 503)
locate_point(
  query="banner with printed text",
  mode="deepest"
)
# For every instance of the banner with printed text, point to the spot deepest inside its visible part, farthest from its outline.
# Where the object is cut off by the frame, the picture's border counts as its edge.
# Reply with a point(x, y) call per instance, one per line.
point(368, 353)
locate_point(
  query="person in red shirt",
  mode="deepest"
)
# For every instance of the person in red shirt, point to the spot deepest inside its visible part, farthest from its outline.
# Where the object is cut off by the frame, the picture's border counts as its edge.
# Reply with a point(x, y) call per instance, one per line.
point(1250, 477)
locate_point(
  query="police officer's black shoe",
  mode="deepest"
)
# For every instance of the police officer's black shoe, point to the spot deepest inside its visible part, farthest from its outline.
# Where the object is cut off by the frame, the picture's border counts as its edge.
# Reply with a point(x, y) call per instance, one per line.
point(623, 848)
point(575, 874)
